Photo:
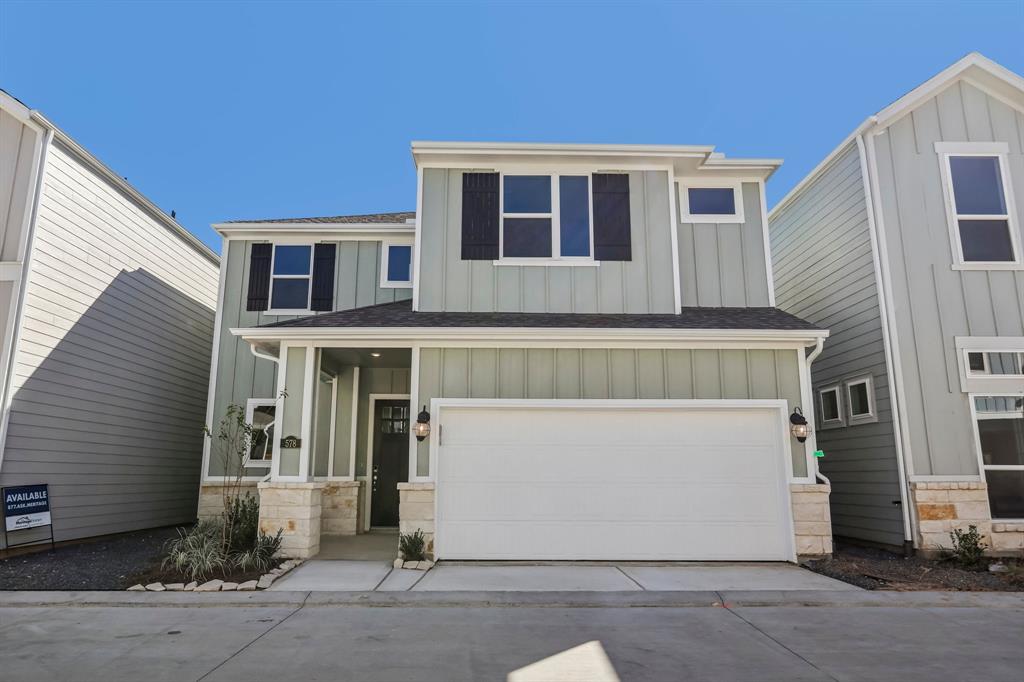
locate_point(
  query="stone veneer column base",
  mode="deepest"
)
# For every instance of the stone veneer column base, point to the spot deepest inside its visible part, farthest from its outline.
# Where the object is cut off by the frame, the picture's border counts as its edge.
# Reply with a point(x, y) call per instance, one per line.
point(341, 504)
point(294, 508)
point(942, 506)
point(812, 521)
point(211, 497)
point(416, 511)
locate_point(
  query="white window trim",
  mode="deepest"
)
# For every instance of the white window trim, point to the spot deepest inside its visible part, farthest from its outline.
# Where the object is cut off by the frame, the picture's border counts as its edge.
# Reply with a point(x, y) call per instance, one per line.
point(999, 150)
point(309, 293)
point(988, 384)
point(839, 421)
point(556, 258)
point(385, 255)
point(982, 467)
point(872, 414)
point(250, 406)
point(709, 183)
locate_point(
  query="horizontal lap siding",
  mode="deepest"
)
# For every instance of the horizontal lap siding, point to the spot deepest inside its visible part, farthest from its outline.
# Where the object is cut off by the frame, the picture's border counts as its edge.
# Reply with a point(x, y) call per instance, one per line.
point(641, 285)
point(240, 375)
point(933, 303)
point(824, 272)
point(596, 373)
point(109, 385)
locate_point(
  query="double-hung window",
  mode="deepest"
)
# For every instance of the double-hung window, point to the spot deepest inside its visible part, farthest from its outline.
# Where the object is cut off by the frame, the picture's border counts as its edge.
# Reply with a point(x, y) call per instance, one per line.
point(291, 277)
point(546, 217)
point(999, 429)
point(983, 226)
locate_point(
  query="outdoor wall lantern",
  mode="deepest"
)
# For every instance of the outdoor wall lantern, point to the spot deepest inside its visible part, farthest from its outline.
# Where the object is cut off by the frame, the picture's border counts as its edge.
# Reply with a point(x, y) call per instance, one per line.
point(798, 427)
point(422, 429)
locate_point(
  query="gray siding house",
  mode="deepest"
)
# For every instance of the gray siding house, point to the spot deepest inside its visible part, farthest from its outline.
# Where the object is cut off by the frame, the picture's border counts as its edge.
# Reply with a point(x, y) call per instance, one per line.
point(565, 352)
point(912, 231)
point(106, 320)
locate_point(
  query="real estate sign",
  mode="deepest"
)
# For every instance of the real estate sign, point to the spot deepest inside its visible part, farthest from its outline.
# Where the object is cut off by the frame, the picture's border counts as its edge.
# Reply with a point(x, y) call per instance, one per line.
point(26, 506)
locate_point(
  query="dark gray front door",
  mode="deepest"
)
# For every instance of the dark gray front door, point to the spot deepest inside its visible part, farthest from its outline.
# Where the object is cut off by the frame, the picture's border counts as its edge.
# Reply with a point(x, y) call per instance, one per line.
point(390, 459)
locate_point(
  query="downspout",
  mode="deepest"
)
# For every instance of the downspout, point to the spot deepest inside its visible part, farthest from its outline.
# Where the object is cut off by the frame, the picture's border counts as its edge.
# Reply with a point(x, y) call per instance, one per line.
point(819, 345)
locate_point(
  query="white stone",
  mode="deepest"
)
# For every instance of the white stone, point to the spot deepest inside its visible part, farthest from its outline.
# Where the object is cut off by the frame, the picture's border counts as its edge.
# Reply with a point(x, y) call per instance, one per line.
point(175, 587)
point(155, 587)
point(228, 587)
point(247, 586)
point(266, 581)
point(210, 586)
point(998, 568)
point(426, 565)
point(137, 588)
point(191, 586)
point(398, 562)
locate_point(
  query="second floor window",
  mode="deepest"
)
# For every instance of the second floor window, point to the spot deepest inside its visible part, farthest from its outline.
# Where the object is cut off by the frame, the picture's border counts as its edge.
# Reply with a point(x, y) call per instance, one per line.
point(292, 271)
point(546, 216)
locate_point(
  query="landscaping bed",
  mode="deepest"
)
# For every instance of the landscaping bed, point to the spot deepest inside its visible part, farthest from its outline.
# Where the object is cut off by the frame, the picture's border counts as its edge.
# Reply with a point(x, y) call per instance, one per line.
point(877, 569)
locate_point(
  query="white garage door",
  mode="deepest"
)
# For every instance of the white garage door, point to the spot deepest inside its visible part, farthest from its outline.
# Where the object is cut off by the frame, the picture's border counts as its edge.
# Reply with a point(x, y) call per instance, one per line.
point(563, 481)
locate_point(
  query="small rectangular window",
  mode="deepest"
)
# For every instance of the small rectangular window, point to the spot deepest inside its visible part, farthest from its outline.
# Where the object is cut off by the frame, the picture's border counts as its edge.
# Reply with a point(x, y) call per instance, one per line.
point(995, 364)
point(858, 395)
point(831, 406)
point(976, 362)
point(546, 216)
point(291, 273)
point(707, 201)
point(260, 415)
point(981, 219)
point(396, 264)
point(1000, 437)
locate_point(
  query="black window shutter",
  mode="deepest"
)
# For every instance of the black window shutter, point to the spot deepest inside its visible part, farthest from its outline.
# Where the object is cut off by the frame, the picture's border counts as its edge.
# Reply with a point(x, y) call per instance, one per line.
point(480, 216)
point(611, 217)
point(259, 277)
point(323, 277)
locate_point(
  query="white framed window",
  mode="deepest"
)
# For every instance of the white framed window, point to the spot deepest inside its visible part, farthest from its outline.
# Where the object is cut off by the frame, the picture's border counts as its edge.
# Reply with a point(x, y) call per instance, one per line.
point(546, 218)
point(999, 439)
point(260, 413)
point(710, 201)
point(990, 364)
point(830, 407)
point(979, 205)
point(396, 263)
point(291, 279)
point(995, 364)
point(860, 399)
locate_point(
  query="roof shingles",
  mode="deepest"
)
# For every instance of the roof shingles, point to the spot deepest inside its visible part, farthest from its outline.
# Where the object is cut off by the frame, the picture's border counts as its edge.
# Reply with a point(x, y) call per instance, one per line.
point(395, 217)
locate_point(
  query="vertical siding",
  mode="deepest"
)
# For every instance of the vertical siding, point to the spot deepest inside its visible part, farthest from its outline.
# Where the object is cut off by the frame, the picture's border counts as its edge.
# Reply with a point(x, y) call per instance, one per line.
point(110, 374)
point(596, 373)
point(933, 303)
point(240, 375)
point(824, 273)
point(724, 265)
point(642, 285)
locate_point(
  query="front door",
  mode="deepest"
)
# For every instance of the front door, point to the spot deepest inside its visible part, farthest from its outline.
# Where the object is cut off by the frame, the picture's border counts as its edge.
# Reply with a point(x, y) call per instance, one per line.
point(390, 459)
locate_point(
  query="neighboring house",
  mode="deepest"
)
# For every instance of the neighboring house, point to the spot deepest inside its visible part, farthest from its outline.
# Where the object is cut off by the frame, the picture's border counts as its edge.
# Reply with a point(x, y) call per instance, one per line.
point(106, 320)
point(906, 243)
point(587, 332)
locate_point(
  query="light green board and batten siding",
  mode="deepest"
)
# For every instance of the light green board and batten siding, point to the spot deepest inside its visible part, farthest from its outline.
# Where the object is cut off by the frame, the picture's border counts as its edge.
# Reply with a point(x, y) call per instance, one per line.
point(240, 375)
point(934, 303)
point(719, 265)
point(572, 373)
point(827, 226)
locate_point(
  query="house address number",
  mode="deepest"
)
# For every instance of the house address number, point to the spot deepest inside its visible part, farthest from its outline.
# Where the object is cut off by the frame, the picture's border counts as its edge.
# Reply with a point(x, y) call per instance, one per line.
point(290, 443)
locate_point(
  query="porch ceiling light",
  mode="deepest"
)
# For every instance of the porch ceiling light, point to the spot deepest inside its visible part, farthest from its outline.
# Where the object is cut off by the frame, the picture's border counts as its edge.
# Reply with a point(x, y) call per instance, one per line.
point(422, 429)
point(798, 425)
point(374, 355)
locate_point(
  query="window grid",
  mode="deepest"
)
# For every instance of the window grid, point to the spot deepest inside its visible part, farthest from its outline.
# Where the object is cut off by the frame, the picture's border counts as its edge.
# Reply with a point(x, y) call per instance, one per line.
point(554, 215)
point(274, 277)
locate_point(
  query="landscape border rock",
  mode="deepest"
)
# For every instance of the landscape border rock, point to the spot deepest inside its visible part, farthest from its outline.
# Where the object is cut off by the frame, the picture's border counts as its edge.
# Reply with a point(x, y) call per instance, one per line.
point(265, 581)
point(424, 565)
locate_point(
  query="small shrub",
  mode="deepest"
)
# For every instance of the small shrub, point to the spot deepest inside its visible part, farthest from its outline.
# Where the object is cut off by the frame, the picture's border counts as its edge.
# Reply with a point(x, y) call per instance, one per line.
point(968, 547)
point(244, 517)
point(198, 552)
point(260, 554)
point(413, 546)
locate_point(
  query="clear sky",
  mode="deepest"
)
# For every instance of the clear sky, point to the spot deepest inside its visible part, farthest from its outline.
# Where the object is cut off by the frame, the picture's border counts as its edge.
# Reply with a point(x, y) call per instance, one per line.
point(235, 110)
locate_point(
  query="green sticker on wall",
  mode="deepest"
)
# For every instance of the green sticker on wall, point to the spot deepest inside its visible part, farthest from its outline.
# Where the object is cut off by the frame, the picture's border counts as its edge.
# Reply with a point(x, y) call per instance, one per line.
point(819, 453)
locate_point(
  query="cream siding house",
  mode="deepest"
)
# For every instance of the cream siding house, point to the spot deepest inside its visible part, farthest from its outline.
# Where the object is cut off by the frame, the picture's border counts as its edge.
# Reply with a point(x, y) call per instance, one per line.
point(106, 314)
point(913, 227)
point(566, 352)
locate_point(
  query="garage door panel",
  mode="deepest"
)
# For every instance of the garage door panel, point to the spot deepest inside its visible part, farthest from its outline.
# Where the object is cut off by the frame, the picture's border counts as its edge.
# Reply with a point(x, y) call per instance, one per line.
point(675, 483)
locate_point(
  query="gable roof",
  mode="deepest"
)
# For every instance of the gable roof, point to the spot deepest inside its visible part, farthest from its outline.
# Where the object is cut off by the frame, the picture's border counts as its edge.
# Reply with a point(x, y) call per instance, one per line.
point(364, 219)
point(992, 78)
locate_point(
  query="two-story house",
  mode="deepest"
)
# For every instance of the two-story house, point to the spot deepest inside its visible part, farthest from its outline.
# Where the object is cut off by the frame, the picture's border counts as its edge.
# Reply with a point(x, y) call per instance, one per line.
point(906, 243)
point(566, 352)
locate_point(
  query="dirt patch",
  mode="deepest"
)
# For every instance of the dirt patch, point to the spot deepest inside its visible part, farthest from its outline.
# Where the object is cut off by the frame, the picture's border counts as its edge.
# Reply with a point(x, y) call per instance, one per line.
point(157, 575)
point(876, 569)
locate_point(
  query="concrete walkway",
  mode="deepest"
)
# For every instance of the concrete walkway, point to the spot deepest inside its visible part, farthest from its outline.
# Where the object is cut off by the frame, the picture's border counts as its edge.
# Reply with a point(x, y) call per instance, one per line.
point(371, 575)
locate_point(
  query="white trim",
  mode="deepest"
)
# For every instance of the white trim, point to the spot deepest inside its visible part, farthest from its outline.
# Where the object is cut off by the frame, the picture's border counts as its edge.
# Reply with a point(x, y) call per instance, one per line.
point(341, 229)
point(554, 216)
point(282, 377)
point(437, 406)
point(998, 151)
point(869, 387)
point(310, 380)
point(677, 277)
point(986, 383)
point(546, 262)
point(766, 235)
point(353, 425)
point(371, 411)
point(417, 240)
point(687, 183)
point(250, 405)
point(840, 420)
point(414, 390)
point(385, 258)
point(271, 310)
point(333, 428)
point(982, 467)
point(810, 444)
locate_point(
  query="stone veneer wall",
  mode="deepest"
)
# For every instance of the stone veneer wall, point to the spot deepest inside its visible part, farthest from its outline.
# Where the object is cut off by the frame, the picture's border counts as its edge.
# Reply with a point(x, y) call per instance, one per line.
point(416, 511)
point(295, 508)
point(812, 521)
point(211, 497)
point(944, 505)
point(342, 508)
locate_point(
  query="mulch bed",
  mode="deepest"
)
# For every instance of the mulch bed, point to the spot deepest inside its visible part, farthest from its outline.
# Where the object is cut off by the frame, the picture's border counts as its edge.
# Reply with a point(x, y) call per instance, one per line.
point(876, 569)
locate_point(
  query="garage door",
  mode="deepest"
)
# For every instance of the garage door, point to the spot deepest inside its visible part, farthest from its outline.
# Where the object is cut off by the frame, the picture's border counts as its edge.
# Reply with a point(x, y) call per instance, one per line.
point(705, 481)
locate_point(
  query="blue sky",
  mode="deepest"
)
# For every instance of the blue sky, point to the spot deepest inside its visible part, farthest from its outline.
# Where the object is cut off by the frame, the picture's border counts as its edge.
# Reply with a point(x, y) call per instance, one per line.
point(252, 110)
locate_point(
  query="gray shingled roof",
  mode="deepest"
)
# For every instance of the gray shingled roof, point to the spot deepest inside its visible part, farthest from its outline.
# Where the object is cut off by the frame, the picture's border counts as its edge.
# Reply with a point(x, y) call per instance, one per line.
point(397, 217)
point(401, 315)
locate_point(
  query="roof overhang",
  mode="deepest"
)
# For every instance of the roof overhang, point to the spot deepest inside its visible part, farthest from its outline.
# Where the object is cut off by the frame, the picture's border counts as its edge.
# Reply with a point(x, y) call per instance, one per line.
point(685, 160)
point(344, 230)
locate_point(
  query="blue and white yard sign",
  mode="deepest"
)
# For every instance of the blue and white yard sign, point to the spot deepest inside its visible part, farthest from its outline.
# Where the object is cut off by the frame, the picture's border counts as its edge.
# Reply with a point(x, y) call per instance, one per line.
point(26, 506)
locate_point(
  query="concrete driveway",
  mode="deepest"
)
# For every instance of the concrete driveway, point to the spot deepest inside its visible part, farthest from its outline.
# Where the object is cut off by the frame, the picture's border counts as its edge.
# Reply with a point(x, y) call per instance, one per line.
point(373, 575)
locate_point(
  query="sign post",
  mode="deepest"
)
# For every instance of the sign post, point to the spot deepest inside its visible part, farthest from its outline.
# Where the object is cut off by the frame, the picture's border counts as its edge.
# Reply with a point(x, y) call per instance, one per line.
point(25, 507)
